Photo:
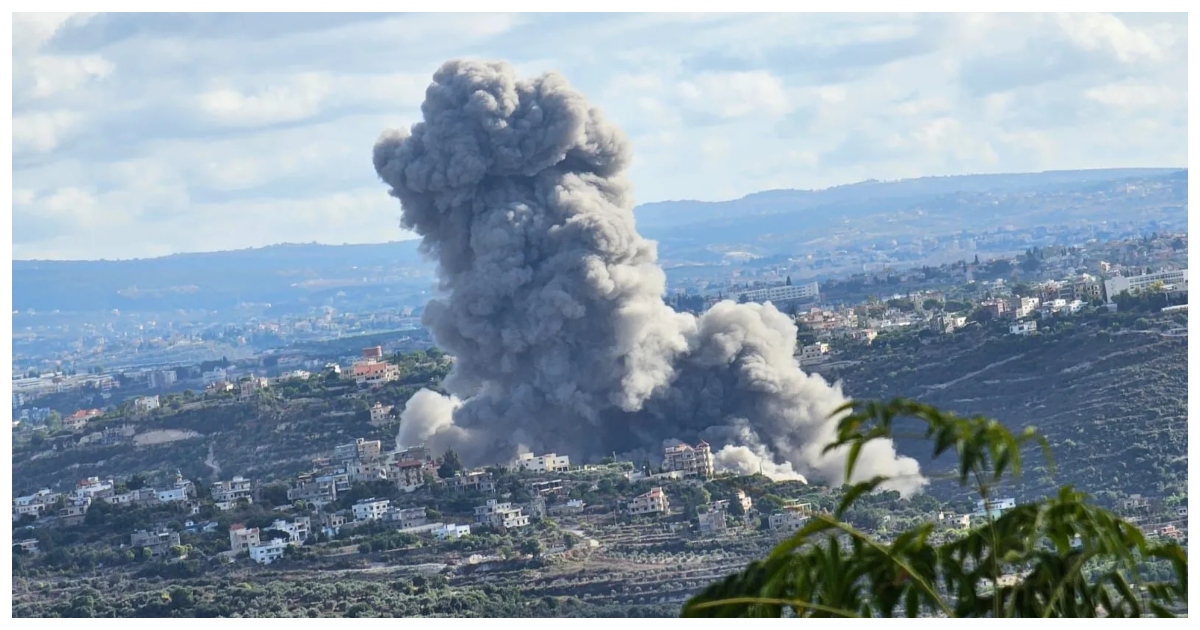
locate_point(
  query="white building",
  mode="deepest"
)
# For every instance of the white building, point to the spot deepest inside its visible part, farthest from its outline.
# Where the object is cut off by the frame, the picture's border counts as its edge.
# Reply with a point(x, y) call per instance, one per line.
point(501, 515)
point(793, 516)
point(549, 462)
point(371, 509)
point(380, 413)
point(653, 502)
point(684, 458)
point(145, 404)
point(786, 293)
point(955, 521)
point(451, 531)
point(744, 499)
point(1023, 328)
point(268, 552)
point(35, 504)
point(994, 507)
point(297, 530)
point(1027, 306)
point(230, 492)
point(1172, 280)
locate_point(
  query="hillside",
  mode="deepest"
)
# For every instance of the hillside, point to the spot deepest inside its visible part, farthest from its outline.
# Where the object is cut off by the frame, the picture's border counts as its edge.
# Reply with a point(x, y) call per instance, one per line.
point(1110, 398)
point(294, 277)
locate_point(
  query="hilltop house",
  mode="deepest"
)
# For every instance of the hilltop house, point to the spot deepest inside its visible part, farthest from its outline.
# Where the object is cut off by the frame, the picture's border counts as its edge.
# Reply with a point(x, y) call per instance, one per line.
point(501, 516)
point(158, 542)
point(684, 458)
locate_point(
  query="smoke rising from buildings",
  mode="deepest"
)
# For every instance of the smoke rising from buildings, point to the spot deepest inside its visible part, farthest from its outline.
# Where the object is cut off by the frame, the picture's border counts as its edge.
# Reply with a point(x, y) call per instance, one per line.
point(552, 302)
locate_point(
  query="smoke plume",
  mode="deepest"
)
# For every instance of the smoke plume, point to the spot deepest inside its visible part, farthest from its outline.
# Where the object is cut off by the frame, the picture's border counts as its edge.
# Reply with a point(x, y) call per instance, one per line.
point(552, 302)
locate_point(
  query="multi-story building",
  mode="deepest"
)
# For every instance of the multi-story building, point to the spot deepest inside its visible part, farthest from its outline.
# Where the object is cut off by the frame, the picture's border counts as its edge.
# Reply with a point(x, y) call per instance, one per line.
point(409, 474)
point(653, 502)
point(158, 542)
point(407, 517)
point(781, 294)
point(1023, 328)
point(268, 552)
point(693, 460)
point(78, 420)
point(744, 500)
point(711, 518)
point(367, 471)
point(380, 413)
point(1172, 280)
point(251, 385)
point(227, 494)
point(953, 520)
point(549, 462)
point(371, 373)
point(472, 481)
point(145, 404)
point(813, 353)
point(241, 537)
point(371, 509)
point(297, 529)
point(36, 504)
point(793, 516)
point(360, 449)
point(501, 516)
point(1026, 306)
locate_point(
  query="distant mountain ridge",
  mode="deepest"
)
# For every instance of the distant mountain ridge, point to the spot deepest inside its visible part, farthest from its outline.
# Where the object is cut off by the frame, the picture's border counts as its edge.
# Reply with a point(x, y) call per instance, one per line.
point(768, 222)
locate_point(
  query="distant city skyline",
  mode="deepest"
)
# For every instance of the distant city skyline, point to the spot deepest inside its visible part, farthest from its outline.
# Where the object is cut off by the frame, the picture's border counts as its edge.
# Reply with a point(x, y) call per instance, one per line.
point(140, 135)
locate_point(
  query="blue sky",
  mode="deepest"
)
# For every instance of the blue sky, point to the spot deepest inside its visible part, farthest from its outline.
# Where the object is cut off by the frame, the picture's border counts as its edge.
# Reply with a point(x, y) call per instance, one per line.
point(141, 135)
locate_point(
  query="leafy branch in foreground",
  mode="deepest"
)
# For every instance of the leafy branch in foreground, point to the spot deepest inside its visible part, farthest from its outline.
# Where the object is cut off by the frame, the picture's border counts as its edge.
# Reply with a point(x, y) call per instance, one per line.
point(1059, 557)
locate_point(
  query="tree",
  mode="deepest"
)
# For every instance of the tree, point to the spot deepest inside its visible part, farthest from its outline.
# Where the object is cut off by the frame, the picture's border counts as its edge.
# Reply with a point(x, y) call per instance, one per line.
point(1058, 557)
point(531, 547)
point(450, 465)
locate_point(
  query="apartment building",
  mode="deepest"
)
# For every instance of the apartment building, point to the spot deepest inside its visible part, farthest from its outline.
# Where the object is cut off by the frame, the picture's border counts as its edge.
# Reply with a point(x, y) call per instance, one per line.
point(653, 502)
point(696, 460)
point(297, 529)
point(994, 507)
point(1026, 306)
point(145, 404)
point(35, 504)
point(409, 474)
point(372, 373)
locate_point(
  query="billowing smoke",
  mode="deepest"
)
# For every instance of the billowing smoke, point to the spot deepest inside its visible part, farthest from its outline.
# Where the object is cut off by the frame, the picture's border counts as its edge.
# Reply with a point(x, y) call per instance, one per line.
point(553, 302)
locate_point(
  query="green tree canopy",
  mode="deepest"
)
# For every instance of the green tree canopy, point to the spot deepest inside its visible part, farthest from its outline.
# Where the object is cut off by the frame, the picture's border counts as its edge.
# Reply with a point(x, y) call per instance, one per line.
point(1057, 557)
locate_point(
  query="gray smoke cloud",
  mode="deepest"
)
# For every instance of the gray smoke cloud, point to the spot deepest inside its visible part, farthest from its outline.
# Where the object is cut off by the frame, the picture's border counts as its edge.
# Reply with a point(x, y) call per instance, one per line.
point(552, 302)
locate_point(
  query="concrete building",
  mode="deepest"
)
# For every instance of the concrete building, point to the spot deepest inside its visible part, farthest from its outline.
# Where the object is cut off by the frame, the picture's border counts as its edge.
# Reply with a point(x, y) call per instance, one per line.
point(501, 516)
point(241, 537)
point(793, 516)
point(371, 509)
point(994, 508)
point(409, 474)
point(653, 502)
point(781, 294)
point(145, 404)
point(158, 542)
point(380, 413)
point(360, 449)
point(232, 491)
point(744, 499)
point(297, 529)
point(407, 517)
point(1026, 306)
point(36, 504)
point(254, 384)
point(697, 460)
point(372, 373)
point(451, 531)
point(711, 518)
point(268, 552)
point(1023, 328)
point(814, 353)
point(953, 520)
point(550, 462)
point(1172, 280)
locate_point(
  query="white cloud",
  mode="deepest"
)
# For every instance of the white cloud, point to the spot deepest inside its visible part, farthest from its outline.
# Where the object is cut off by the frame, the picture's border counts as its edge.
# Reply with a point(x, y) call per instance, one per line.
point(176, 127)
point(42, 132)
point(735, 94)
